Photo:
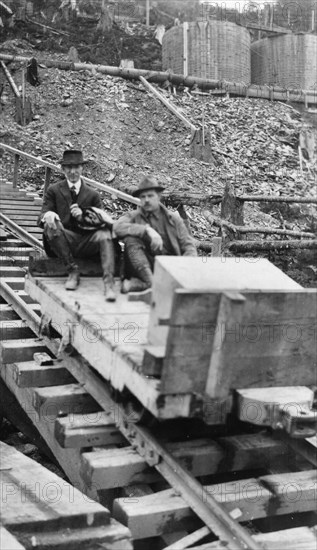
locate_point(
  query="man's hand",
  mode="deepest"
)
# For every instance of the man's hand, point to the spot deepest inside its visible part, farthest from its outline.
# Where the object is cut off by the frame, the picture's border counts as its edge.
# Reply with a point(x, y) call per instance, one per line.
point(76, 212)
point(156, 239)
point(50, 218)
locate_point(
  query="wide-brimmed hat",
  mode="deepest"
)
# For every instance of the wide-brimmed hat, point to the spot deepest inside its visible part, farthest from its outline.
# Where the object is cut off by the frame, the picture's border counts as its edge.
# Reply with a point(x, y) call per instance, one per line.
point(146, 184)
point(72, 156)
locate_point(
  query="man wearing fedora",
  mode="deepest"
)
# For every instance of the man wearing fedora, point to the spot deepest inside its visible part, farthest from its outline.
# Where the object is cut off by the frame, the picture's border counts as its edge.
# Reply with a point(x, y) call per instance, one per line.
point(65, 235)
point(148, 231)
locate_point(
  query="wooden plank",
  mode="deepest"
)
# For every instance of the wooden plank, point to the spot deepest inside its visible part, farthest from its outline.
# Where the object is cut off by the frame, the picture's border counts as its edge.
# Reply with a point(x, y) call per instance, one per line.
point(23, 479)
point(110, 468)
point(17, 249)
point(55, 400)
point(87, 430)
point(17, 283)
point(16, 352)
point(247, 499)
point(112, 536)
point(68, 459)
point(8, 541)
point(11, 271)
point(153, 360)
point(14, 243)
point(7, 313)
point(268, 341)
point(3, 235)
point(25, 219)
point(29, 374)
point(299, 538)
point(20, 209)
point(14, 329)
point(254, 332)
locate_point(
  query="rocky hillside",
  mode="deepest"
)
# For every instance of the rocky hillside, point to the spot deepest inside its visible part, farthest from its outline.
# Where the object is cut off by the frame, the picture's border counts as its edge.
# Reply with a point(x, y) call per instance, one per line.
point(124, 132)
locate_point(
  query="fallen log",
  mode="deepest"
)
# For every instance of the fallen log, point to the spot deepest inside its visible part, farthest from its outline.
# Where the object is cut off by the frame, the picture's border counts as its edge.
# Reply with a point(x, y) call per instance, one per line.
point(270, 198)
point(214, 220)
point(237, 88)
point(252, 246)
point(191, 199)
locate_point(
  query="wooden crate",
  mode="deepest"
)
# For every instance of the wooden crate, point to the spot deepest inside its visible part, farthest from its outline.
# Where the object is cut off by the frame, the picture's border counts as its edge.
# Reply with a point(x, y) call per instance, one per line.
point(225, 325)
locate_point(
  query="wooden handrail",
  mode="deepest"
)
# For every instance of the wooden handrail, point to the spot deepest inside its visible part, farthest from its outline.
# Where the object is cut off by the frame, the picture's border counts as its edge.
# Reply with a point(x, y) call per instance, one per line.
point(101, 186)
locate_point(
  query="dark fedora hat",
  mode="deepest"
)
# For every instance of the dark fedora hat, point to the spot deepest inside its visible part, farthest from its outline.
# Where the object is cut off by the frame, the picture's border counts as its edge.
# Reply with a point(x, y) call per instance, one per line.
point(72, 156)
point(146, 184)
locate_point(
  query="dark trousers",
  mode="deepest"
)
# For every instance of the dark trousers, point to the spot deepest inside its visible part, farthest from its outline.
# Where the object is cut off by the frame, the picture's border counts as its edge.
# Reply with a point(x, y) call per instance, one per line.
point(139, 260)
point(68, 245)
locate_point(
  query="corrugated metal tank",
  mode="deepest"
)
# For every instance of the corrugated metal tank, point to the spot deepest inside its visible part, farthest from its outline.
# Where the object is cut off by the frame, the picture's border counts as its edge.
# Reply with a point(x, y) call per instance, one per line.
point(289, 61)
point(209, 49)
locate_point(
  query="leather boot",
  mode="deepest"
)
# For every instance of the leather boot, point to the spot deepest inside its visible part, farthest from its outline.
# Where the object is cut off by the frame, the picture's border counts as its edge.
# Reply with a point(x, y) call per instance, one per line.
point(133, 285)
point(110, 294)
point(140, 265)
point(59, 245)
point(73, 279)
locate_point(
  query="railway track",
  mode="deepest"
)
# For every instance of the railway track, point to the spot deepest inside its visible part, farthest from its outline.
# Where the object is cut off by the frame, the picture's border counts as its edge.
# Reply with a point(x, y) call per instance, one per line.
point(176, 485)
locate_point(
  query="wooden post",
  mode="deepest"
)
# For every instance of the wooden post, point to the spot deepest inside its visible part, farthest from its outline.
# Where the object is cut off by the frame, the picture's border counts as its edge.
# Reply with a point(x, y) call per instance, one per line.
point(231, 209)
point(216, 244)
point(182, 212)
point(47, 179)
point(148, 7)
point(16, 170)
point(185, 48)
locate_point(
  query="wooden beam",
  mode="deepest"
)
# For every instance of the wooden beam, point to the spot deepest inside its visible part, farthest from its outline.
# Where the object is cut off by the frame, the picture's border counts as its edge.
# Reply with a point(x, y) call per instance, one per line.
point(55, 400)
point(10, 79)
point(15, 352)
point(248, 499)
point(57, 505)
point(167, 104)
point(87, 430)
point(29, 374)
point(299, 538)
point(7, 540)
point(110, 468)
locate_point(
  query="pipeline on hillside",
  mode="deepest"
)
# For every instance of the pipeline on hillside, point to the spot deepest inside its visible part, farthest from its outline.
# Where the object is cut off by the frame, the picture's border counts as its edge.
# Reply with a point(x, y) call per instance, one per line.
point(275, 93)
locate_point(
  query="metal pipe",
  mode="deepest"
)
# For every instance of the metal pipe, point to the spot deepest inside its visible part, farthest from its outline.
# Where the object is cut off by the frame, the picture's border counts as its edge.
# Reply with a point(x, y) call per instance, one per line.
point(235, 88)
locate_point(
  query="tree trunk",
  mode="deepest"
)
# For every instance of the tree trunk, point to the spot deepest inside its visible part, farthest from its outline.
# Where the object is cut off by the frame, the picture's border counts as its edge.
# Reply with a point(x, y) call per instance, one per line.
point(105, 22)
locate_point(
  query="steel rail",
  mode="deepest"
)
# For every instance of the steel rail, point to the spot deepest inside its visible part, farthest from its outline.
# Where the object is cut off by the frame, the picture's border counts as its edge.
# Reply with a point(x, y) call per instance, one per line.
point(20, 232)
point(203, 504)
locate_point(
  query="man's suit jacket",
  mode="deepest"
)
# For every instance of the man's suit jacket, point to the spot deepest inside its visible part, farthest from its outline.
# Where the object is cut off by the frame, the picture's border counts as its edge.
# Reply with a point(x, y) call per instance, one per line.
point(58, 199)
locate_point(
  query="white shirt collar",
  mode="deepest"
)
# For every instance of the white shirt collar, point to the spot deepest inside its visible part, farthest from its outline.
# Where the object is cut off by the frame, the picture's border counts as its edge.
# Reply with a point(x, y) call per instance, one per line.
point(77, 185)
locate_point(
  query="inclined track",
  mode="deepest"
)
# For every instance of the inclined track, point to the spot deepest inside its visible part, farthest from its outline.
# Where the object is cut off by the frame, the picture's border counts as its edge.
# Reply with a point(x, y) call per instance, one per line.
point(212, 514)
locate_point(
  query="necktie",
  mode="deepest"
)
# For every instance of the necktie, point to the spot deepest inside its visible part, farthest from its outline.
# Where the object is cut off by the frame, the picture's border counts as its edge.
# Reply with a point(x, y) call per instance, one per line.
point(73, 194)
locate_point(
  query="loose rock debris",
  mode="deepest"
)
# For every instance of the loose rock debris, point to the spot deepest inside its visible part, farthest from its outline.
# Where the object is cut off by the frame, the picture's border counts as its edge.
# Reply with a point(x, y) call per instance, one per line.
point(125, 132)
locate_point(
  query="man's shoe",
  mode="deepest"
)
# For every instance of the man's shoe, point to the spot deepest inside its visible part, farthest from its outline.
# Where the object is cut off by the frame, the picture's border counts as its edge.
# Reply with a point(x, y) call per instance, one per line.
point(134, 285)
point(72, 280)
point(110, 295)
point(143, 296)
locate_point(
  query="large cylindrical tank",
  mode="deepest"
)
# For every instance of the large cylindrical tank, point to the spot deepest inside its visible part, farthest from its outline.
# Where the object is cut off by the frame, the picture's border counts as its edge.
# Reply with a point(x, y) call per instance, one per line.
point(209, 49)
point(289, 61)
